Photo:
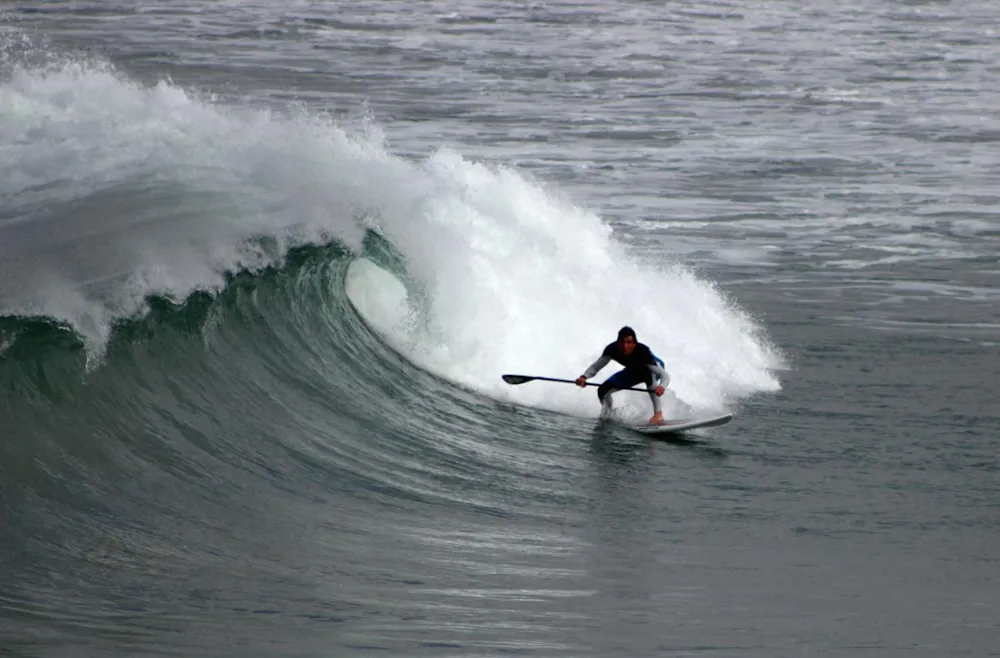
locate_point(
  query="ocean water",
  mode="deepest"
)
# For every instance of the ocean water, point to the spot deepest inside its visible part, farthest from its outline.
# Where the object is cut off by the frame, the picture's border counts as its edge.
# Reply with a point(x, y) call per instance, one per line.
point(263, 264)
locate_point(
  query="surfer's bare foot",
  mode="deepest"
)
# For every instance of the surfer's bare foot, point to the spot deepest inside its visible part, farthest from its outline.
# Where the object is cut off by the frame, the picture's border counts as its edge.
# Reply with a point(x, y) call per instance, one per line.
point(657, 418)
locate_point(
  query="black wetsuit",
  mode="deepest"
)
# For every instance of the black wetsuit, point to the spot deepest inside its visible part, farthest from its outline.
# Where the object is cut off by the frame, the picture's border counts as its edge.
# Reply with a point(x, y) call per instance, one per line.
point(640, 367)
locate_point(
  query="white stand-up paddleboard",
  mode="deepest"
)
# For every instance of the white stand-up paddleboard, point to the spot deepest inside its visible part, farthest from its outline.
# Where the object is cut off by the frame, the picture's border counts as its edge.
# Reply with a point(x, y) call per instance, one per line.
point(666, 427)
point(670, 426)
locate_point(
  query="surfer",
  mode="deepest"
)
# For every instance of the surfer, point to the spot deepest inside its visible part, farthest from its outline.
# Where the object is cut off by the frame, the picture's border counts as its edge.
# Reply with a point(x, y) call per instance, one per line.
point(641, 365)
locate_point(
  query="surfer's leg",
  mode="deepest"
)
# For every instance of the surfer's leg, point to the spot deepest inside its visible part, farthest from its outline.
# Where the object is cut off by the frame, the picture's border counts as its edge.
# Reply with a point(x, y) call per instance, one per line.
point(613, 383)
point(657, 417)
point(606, 405)
point(655, 399)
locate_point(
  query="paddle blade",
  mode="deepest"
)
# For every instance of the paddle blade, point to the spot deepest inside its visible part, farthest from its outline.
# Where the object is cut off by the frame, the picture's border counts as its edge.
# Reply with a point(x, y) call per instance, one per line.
point(517, 379)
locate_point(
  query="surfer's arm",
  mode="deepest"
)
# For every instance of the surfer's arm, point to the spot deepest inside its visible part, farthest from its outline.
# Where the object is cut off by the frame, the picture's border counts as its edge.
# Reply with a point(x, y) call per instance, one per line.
point(660, 374)
point(596, 366)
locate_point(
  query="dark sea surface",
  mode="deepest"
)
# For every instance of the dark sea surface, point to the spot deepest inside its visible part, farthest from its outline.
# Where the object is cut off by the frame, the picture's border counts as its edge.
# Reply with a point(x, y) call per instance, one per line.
point(262, 265)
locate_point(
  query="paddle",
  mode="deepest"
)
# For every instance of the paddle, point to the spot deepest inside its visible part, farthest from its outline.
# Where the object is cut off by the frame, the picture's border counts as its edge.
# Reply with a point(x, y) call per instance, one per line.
point(524, 379)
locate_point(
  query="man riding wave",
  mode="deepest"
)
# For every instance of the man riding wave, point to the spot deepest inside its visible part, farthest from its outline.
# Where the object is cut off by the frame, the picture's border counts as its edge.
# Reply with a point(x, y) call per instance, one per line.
point(641, 366)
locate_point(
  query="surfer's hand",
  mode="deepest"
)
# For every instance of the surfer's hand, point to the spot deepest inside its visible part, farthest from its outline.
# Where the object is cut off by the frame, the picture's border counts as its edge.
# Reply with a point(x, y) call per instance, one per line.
point(658, 390)
point(581, 381)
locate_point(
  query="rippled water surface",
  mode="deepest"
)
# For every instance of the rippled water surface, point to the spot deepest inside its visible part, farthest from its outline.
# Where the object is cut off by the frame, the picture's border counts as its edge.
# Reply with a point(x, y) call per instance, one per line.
point(262, 265)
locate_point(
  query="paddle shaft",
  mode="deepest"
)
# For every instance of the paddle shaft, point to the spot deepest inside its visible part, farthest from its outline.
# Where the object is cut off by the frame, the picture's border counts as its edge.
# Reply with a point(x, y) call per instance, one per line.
point(573, 381)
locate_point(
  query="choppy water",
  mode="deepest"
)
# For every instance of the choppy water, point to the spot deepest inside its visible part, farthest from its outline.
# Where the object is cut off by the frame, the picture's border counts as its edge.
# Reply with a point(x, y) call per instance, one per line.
point(263, 264)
